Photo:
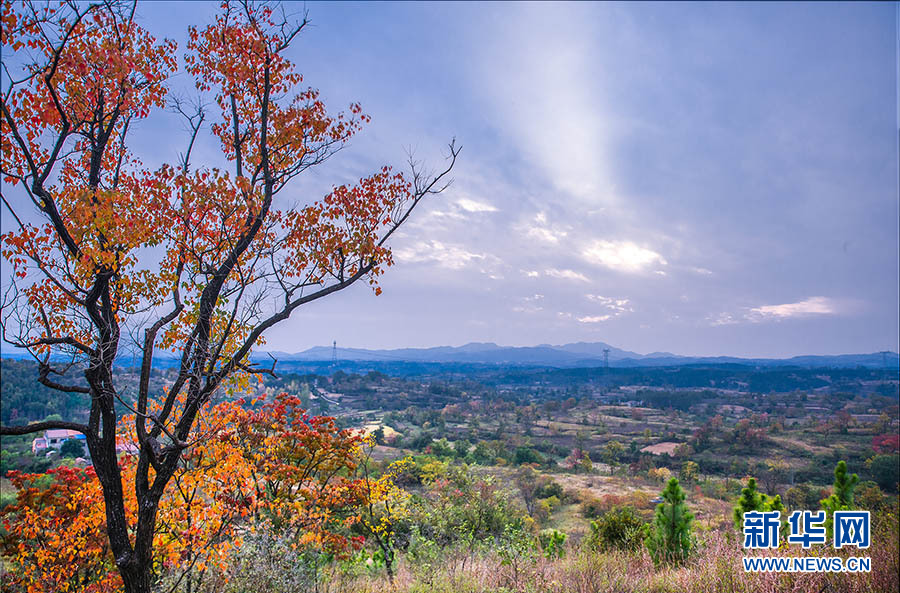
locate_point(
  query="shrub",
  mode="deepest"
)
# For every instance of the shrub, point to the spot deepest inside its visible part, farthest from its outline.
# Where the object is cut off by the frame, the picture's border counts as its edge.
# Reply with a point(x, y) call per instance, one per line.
point(885, 471)
point(620, 528)
point(552, 543)
point(551, 488)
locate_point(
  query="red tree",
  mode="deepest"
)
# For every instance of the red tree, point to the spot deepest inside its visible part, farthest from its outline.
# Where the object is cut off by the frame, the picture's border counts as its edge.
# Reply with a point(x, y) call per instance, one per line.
point(231, 264)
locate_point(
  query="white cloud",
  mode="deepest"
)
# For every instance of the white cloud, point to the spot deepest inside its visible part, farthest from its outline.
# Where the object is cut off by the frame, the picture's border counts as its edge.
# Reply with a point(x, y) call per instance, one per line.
point(543, 234)
point(532, 273)
point(622, 255)
point(817, 305)
point(473, 206)
point(566, 274)
point(618, 305)
point(594, 318)
point(541, 230)
point(448, 256)
point(721, 319)
point(702, 271)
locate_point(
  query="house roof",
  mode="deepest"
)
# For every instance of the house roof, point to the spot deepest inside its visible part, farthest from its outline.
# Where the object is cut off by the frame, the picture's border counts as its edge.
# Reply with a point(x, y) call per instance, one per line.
point(60, 433)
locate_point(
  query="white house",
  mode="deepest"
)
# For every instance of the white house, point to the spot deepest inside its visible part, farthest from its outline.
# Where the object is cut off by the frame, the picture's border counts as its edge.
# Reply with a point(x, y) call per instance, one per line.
point(54, 438)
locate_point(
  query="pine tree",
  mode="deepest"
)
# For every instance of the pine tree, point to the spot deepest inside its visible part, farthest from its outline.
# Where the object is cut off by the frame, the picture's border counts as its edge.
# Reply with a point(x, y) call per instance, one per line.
point(841, 498)
point(753, 500)
point(670, 537)
point(750, 500)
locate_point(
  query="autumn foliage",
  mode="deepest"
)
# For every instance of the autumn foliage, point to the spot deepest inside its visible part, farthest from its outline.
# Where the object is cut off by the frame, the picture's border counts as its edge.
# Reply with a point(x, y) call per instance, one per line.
point(196, 258)
point(266, 467)
point(54, 534)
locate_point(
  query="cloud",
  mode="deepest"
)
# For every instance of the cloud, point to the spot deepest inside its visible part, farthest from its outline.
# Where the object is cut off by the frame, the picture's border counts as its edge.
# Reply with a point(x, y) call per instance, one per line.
point(619, 306)
point(449, 256)
point(721, 319)
point(566, 274)
point(541, 230)
point(817, 305)
point(621, 255)
point(473, 206)
point(594, 318)
point(529, 304)
point(702, 271)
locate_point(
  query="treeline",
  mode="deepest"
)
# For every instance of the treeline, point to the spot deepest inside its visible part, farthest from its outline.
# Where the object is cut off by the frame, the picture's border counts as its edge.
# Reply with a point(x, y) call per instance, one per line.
point(26, 400)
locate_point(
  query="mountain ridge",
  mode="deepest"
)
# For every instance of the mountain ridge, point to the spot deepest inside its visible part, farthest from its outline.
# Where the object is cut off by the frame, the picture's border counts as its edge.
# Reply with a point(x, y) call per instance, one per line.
point(569, 355)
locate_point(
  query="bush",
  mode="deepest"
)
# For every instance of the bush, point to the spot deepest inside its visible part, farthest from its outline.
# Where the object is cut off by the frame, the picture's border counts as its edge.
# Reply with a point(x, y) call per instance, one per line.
point(885, 471)
point(620, 528)
point(551, 488)
point(552, 543)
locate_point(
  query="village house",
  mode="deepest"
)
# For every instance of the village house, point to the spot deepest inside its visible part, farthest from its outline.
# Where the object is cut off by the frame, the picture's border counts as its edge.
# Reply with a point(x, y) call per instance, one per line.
point(54, 438)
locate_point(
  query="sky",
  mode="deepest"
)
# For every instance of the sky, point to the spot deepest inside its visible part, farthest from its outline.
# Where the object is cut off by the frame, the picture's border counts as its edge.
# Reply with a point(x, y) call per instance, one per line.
point(702, 179)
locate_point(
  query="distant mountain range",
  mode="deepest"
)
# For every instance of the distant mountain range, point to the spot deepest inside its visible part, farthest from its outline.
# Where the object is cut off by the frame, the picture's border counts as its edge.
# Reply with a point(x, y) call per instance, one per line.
point(579, 354)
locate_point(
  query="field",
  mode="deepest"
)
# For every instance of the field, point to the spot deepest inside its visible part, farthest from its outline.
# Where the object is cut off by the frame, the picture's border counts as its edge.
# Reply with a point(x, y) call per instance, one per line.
point(497, 461)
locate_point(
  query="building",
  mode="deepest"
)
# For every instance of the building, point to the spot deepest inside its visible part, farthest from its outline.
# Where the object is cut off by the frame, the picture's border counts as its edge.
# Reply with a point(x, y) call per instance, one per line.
point(54, 438)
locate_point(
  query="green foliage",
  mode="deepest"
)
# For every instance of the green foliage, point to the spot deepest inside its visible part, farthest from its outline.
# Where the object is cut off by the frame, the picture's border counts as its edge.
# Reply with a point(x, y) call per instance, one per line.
point(527, 455)
point(461, 506)
point(612, 451)
point(552, 543)
point(620, 528)
point(841, 498)
point(72, 448)
point(442, 448)
point(869, 496)
point(461, 448)
point(517, 550)
point(670, 539)
point(25, 400)
point(482, 453)
point(753, 500)
point(803, 496)
point(549, 488)
point(886, 471)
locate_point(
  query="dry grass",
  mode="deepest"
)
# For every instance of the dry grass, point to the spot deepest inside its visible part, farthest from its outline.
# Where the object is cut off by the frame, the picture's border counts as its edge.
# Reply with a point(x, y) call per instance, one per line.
point(716, 567)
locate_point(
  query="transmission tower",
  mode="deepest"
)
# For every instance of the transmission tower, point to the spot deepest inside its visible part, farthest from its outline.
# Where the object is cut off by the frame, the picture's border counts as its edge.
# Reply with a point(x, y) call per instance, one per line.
point(334, 353)
point(606, 360)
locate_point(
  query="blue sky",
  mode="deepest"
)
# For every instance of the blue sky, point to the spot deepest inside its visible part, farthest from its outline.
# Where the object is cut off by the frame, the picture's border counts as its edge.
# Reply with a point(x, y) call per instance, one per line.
point(695, 178)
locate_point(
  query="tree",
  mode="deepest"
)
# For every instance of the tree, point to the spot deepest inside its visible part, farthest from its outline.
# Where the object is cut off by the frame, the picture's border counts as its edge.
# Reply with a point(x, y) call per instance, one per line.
point(269, 470)
point(52, 536)
point(753, 500)
point(529, 484)
point(385, 507)
point(228, 264)
point(841, 498)
point(293, 470)
point(72, 448)
point(670, 538)
point(690, 471)
point(612, 450)
point(886, 471)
